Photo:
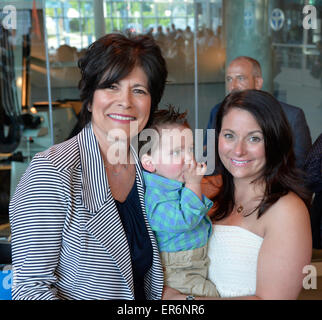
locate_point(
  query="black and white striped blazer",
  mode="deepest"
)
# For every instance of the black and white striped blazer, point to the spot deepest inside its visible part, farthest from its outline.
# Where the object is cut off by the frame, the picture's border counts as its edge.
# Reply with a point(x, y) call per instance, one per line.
point(68, 241)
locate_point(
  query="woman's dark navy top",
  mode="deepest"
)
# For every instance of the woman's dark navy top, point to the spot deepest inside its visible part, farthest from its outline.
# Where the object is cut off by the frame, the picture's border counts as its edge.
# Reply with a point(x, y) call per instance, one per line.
point(138, 238)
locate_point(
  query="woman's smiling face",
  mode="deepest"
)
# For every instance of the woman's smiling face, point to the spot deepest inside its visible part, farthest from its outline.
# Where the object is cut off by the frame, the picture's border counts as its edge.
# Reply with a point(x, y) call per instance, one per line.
point(123, 106)
point(241, 145)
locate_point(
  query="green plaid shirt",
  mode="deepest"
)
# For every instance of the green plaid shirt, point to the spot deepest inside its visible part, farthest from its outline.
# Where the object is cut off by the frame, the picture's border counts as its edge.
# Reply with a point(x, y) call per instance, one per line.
point(176, 214)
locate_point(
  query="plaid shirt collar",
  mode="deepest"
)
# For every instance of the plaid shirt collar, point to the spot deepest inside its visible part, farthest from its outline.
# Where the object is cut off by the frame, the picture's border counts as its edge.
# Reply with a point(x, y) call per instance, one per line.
point(153, 180)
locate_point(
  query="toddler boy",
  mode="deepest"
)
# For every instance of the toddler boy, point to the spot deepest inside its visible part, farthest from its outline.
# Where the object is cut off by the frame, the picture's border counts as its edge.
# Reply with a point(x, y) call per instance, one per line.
point(175, 206)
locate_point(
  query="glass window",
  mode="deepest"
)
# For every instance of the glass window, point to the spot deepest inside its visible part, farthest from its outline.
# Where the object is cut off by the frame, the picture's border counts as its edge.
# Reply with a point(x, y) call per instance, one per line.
point(86, 9)
point(179, 10)
point(180, 23)
point(134, 25)
point(119, 24)
point(297, 66)
point(148, 9)
point(68, 21)
point(164, 22)
point(163, 9)
point(108, 25)
point(148, 23)
point(120, 8)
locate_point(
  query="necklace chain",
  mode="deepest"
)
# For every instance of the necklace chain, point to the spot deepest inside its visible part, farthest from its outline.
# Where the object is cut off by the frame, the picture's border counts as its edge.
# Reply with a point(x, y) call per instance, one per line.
point(240, 210)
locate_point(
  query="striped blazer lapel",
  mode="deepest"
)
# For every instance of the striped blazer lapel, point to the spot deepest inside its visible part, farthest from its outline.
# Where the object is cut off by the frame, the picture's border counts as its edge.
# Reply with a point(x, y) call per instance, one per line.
point(105, 224)
point(107, 228)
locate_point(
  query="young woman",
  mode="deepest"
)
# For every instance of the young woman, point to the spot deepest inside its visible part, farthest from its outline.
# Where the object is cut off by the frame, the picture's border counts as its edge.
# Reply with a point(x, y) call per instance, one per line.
point(262, 238)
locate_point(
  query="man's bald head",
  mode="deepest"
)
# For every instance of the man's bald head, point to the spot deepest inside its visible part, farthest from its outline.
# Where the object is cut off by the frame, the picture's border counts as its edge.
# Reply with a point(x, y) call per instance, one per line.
point(243, 73)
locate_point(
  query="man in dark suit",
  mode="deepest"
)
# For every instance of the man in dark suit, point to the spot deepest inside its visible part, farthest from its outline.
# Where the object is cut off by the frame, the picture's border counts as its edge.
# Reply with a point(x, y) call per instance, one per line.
point(245, 73)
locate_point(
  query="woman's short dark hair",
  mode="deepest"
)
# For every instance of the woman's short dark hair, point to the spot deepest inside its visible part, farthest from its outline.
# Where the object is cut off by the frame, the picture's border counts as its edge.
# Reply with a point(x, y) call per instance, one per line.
point(279, 172)
point(111, 58)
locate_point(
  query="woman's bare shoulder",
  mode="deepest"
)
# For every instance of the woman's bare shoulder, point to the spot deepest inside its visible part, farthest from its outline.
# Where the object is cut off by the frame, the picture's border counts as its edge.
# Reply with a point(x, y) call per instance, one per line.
point(289, 203)
point(289, 211)
point(286, 249)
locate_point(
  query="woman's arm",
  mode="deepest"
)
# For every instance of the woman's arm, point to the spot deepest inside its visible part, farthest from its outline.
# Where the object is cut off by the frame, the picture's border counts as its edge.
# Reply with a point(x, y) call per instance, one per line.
point(286, 250)
point(37, 216)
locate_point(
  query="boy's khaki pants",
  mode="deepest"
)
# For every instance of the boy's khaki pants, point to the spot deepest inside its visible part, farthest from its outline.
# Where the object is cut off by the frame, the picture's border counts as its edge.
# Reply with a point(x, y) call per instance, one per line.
point(187, 272)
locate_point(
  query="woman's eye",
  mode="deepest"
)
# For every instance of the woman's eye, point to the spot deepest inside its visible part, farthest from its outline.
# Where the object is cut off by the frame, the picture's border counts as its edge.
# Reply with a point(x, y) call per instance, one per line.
point(112, 86)
point(139, 91)
point(228, 136)
point(255, 139)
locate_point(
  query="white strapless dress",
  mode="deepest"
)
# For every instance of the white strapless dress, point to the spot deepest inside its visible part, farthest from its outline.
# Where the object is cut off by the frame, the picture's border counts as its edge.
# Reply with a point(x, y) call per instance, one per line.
point(233, 253)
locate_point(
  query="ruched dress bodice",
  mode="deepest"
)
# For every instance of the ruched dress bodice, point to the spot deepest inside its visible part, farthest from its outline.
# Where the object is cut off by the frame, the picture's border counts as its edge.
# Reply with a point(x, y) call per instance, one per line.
point(233, 253)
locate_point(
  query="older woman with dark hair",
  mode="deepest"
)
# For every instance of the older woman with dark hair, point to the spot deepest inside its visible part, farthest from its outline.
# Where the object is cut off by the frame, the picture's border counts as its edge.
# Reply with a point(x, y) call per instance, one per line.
point(79, 227)
point(262, 239)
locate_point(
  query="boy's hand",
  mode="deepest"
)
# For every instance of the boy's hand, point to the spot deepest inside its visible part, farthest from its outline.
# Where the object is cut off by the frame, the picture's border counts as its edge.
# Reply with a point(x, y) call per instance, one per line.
point(193, 171)
point(201, 169)
point(193, 174)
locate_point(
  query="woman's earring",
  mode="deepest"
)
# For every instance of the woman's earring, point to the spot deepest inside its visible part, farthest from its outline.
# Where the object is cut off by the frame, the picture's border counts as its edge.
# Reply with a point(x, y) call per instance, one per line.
point(89, 108)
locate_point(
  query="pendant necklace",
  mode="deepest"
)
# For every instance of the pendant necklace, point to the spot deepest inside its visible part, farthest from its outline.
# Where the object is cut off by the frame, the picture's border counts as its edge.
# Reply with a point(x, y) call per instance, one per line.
point(240, 209)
